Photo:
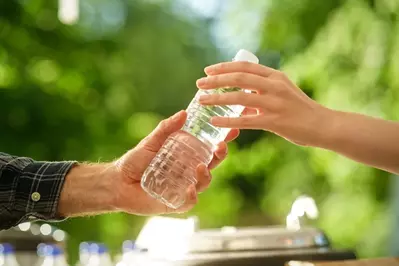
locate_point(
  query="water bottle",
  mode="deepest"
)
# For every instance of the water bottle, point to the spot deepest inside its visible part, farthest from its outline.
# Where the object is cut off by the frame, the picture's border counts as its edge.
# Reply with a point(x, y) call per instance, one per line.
point(54, 256)
point(131, 255)
point(173, 169)
point(99, 255)
point(84, 253)
point(7, 255)
point(128, 248)
point(41, 249)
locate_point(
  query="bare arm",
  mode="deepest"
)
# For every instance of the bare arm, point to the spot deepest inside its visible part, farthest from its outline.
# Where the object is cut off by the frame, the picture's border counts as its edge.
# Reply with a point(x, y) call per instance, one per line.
point(109, 187)
point(365, 139)
point(31, 190)
point(88, 190)
point(279, 106)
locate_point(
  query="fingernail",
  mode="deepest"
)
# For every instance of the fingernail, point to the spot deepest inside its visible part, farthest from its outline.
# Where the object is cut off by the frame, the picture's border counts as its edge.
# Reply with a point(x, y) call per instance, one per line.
point(205, 171)
point(224, 149)
point(204, 98)
point(193, 193)
point(201, 81)
point(177, 115)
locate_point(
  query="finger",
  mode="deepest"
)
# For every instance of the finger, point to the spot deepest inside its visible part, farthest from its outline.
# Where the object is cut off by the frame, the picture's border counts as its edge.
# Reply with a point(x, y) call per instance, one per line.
point(250, 111)
point(164, 129)
point(240, 80)
point(203, 177)
point(252, 100)
point(239, 66)
point(244, 122)
point(191, 200)
point(232, 135)
point(219, 155)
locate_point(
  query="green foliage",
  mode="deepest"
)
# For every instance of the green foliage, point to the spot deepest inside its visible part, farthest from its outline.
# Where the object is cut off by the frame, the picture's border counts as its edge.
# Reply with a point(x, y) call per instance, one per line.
point(83, 93)
point(93, 90)
point(343, 54)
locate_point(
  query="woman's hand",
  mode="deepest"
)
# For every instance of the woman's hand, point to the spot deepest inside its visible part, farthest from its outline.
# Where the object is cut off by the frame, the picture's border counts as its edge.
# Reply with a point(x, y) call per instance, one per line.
point(281, 107)
point(277, 105)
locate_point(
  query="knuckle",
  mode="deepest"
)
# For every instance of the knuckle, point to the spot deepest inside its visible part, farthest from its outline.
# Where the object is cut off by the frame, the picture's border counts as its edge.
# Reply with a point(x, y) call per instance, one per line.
point(221, 67)
point(244, 98)
point(216, 96)
point(239, 78)
point(162, 127)
point(227, 121)
point(213, 80)
point(246, 121)
point(279, 74)
point(237, 96)
point(262, 100)
point(252, 98)
point(279, 88)
point(163, 124)
point(277, 104)
point(245, 64)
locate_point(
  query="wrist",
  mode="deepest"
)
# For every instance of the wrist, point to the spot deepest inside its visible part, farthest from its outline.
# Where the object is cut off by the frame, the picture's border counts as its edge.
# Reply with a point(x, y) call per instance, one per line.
point(327, 128)
point(88, 189)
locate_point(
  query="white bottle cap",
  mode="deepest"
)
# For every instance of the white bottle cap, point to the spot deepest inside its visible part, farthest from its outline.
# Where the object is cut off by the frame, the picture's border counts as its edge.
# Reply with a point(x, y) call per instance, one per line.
point(244, 55)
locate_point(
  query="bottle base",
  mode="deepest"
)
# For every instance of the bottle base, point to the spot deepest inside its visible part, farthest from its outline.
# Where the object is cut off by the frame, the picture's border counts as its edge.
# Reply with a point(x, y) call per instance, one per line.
point(162, 199)
point(173, 170)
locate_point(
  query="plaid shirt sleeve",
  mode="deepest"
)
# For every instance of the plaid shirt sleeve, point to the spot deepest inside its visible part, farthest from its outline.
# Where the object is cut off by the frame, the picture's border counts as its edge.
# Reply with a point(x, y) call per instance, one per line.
point(29, 189)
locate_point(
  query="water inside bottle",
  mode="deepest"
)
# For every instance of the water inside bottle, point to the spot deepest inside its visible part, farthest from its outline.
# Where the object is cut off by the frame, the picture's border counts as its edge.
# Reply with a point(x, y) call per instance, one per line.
point(198, 119)
point(173, 170)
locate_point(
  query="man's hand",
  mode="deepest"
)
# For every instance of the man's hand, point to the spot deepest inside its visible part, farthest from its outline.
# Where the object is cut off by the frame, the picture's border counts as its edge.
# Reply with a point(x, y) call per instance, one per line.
point(93, 189)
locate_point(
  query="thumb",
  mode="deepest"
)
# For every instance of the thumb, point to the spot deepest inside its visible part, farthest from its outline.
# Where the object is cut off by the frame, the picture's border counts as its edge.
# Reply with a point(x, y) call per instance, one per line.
point(165, 128)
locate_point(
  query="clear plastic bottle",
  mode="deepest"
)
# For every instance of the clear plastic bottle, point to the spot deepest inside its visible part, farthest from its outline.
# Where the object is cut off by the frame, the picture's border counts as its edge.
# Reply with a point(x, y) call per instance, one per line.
point(132, 255)
point(84, 254)
point(172, 170)
point(54, 256)
point(7, 255)
point(99, 255)
point(128, 252)
point(41, 249)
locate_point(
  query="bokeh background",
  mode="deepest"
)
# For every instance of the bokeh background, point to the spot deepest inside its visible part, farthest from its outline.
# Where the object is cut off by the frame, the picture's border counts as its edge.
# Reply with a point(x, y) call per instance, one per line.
point(90, 90)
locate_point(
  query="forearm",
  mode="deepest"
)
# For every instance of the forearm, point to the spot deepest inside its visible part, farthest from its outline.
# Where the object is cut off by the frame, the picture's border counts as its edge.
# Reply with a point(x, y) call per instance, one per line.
point(365, 139)
point(88, 189)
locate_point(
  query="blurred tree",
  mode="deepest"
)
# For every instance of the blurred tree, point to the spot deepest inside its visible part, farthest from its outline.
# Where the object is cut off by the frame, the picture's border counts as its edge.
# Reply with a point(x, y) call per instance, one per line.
point(343, 54)
point(93, 90)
